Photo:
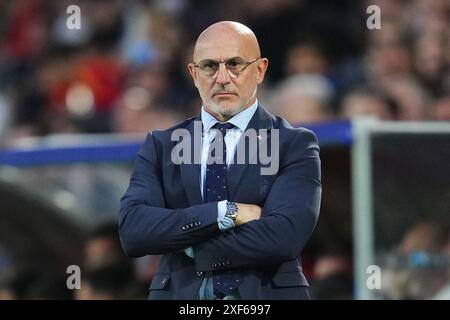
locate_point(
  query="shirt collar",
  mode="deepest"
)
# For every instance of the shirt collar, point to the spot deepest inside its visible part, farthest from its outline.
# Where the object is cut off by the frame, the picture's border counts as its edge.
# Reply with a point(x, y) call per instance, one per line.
point(241, 120)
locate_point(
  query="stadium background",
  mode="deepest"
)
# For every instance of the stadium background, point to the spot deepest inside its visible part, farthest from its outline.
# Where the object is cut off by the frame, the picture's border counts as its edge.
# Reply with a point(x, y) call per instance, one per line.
point(75, 106)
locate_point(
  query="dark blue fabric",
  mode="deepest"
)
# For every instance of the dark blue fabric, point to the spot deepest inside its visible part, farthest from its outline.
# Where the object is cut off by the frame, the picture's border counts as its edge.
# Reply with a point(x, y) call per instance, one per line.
point(163, 212)
point(216, 190)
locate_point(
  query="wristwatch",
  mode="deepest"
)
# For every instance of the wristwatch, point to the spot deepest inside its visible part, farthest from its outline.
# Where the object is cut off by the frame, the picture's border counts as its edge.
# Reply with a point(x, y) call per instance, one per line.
point(232, 210)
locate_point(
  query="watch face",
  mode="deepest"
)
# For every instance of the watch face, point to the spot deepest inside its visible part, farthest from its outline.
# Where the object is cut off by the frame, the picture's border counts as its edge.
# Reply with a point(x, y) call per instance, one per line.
point(231, 206)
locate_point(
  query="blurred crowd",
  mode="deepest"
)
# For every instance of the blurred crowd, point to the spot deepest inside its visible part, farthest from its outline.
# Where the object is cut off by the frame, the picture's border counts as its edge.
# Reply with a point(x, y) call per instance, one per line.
point(125, 70)
point(418, 267)
point(105, 273)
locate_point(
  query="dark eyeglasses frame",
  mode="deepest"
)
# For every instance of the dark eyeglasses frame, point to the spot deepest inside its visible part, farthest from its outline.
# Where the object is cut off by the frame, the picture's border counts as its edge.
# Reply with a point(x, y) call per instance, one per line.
point(247, 63)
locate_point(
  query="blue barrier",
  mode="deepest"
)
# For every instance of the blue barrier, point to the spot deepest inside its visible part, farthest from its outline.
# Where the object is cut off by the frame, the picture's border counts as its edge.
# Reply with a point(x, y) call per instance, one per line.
point(328, 134)
point(333, 133)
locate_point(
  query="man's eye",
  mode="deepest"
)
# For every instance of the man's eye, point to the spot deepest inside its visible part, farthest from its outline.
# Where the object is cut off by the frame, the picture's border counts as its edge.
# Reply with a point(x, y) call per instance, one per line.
point(234, 63)
point(210, 66)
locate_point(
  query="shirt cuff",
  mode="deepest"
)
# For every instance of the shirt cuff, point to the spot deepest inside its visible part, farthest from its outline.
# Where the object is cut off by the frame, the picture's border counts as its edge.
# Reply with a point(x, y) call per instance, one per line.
point(225, 223)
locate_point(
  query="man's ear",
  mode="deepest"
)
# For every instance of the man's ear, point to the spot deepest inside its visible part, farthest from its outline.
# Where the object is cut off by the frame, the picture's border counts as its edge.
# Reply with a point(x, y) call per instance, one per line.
point(262, 65)
point(193, 73)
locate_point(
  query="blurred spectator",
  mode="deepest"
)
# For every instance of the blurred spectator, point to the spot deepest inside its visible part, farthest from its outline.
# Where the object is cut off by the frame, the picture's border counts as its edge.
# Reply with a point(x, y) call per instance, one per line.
point(412, 100)
point(332, 276)
point(429, 61)
point(304, 99)
point(103, 248)
point(26, 34)
point(105, 20)
point(424, 236)
point(306, 57)
point(154, 78)
point(50, 287)
point(94, 87)
point(16, 286)
point(427, 16)
point(35, 284)
point(387, 59)
point(107, 273)
point(441, 109)
point(110, 282)
point(365, 103)
point(137, 112)
point(416, 269)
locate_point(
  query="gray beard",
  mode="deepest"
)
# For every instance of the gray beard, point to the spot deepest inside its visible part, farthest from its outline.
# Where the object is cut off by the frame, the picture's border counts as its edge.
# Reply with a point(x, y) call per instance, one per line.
point(216, 108)
point(228, 113)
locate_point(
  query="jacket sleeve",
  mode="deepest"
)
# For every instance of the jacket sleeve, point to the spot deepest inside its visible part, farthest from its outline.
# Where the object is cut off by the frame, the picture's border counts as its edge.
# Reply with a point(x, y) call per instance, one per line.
point(146, 226)
point(288, 217)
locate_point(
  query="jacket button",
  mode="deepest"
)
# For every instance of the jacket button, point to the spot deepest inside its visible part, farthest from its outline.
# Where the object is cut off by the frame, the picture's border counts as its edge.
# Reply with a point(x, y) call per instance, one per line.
point(199, 273)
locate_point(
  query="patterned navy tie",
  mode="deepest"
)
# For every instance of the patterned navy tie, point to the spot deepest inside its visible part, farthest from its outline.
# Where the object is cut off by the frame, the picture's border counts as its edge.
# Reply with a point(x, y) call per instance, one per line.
point(216, 190)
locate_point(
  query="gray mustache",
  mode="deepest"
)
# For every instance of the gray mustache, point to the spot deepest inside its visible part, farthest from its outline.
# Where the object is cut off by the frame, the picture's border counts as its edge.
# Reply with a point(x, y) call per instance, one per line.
point(223, 91)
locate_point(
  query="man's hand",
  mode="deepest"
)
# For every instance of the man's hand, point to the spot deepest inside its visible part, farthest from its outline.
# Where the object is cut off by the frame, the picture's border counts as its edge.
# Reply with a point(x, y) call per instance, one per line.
point(247, 212)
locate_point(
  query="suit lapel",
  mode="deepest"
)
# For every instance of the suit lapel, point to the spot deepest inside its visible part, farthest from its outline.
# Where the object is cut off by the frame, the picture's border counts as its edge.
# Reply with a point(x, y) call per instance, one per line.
point(260, 120)
point(190, 173)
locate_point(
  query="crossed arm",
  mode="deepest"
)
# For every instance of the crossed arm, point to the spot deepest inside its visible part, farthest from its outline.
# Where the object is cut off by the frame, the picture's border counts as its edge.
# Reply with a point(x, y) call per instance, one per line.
point(287, 219)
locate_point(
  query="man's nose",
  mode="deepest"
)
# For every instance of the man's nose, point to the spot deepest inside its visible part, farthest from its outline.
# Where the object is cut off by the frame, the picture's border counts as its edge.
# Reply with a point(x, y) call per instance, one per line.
point(223, 75)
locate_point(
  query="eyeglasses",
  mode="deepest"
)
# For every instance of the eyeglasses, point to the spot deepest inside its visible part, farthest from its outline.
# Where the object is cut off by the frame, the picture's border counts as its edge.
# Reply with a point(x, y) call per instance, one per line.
point(234, 66)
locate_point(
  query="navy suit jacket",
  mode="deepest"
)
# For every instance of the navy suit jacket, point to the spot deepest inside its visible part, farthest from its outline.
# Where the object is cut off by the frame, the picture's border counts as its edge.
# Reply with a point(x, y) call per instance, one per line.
point(162, 212)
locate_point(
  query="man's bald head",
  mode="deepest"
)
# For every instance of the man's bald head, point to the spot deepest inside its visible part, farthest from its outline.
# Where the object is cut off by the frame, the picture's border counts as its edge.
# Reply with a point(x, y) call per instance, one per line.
point(226, 33)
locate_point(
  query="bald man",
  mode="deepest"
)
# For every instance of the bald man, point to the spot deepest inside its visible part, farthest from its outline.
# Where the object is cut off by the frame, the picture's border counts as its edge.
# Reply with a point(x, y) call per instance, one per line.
point(230, 220)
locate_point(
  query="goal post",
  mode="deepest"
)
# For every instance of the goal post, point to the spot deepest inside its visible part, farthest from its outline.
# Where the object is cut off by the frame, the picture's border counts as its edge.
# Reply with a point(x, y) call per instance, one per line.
point(398, 178)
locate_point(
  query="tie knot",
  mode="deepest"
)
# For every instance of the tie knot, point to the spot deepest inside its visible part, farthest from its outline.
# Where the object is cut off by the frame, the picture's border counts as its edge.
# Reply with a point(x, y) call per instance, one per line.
point(223, 127)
